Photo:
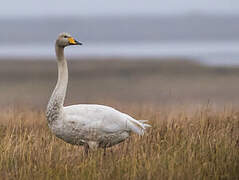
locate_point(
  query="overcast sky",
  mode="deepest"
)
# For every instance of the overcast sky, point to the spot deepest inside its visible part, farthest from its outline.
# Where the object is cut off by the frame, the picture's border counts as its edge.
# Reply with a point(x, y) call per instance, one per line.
point(16, 8)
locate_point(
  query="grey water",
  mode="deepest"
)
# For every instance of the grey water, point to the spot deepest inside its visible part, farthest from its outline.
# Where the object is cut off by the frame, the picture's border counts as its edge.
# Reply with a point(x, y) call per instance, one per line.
point(211, 39)
point(214, 53)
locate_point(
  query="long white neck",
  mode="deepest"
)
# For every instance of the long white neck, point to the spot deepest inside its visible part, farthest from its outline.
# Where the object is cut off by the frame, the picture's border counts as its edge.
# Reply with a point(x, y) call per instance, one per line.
point(55, 104)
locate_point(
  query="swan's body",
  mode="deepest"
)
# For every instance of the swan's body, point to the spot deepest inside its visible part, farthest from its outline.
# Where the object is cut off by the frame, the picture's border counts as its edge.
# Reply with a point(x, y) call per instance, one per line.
point(90, 125)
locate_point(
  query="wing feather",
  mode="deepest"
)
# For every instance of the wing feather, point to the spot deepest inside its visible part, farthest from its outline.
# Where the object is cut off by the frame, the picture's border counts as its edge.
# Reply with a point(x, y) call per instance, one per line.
point(103, 118)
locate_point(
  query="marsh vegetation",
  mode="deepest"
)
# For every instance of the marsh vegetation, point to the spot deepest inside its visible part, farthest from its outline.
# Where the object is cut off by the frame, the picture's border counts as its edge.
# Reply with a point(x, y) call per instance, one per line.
point(193, 111)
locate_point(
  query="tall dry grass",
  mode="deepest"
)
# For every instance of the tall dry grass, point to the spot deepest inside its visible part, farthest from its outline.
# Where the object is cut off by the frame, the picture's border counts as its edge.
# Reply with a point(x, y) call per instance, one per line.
point(200, 144)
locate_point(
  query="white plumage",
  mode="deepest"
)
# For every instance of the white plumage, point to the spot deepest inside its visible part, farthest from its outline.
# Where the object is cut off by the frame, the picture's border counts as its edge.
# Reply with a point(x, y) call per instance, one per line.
point(90, 125)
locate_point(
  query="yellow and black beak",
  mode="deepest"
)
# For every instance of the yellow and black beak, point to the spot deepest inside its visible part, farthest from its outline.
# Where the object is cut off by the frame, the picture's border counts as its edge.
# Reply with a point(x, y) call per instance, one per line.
point(73, 41)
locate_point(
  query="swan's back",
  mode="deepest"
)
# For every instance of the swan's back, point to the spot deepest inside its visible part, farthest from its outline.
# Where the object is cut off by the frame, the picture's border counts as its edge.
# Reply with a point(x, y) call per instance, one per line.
point(102, 118)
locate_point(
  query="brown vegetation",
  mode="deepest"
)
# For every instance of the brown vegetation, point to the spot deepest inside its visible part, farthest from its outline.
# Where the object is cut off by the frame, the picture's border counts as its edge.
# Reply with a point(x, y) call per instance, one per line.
point(180, 145)
point(97, 81)
point(191, 137)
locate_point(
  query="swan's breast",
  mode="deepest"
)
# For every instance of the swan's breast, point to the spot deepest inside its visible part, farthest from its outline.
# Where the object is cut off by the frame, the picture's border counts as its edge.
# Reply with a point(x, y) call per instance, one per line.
point(69, 133)
point(73, 134)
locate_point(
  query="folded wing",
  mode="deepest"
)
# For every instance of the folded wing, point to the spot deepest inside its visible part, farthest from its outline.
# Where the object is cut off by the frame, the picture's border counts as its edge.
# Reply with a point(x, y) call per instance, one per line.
point(103, 119)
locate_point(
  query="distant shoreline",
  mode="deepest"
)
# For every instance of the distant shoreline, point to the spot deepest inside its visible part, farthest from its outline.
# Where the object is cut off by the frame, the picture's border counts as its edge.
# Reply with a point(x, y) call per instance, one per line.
point(210, 53)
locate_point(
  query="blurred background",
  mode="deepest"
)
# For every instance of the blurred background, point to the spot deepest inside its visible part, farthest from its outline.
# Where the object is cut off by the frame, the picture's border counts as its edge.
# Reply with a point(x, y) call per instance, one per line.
point(154, 51)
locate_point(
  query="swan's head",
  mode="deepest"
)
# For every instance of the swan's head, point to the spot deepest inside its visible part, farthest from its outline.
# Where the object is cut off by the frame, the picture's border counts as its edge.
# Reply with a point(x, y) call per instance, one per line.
point(65, 39)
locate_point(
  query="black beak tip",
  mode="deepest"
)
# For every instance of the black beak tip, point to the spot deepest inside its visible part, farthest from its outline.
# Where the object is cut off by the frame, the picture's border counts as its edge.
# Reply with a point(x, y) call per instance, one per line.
point(78, 43)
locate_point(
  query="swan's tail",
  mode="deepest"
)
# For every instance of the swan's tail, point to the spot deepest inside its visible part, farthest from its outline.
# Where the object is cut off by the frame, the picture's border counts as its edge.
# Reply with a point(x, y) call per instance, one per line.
point(137, 126)
point(145, 125)
point(140, 126)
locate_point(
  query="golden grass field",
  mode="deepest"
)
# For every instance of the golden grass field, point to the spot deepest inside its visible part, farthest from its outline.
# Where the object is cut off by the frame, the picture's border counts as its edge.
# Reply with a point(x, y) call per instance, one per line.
point(193, 111)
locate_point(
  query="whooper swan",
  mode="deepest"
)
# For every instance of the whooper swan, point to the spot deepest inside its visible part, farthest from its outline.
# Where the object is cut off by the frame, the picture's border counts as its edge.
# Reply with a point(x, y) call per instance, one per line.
point(92, 126)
